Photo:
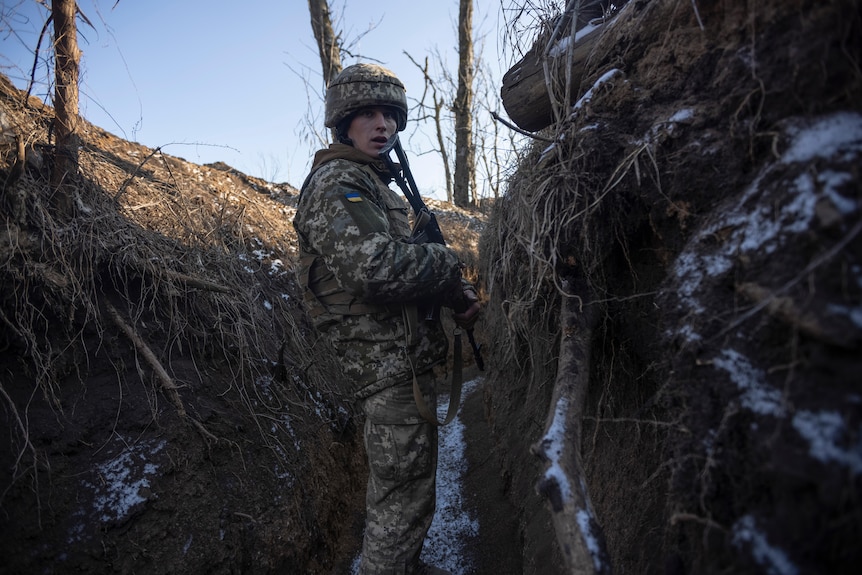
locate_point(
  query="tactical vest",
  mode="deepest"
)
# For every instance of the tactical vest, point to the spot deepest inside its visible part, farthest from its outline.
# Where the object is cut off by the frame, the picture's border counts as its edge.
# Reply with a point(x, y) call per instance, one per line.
point(322, 293)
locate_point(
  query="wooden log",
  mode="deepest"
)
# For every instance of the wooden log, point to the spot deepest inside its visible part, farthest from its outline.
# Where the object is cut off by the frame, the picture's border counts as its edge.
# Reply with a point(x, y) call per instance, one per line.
point(524, 91)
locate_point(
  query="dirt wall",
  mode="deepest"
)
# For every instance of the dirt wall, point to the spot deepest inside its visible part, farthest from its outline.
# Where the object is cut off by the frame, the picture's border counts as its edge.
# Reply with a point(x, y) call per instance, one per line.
point(166, 405)
point(702, 201)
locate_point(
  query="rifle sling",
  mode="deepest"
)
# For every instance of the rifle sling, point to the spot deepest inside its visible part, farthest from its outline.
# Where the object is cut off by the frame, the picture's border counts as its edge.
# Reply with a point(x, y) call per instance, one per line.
point(405, 181)
point(454, 391)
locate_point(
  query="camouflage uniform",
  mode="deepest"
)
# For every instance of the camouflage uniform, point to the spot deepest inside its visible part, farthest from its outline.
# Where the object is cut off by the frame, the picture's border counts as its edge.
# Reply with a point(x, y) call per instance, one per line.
point(364, 287)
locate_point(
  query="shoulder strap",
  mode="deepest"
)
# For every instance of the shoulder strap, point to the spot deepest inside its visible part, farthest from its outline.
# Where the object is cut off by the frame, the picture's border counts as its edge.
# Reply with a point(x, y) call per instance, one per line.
point(454, 391)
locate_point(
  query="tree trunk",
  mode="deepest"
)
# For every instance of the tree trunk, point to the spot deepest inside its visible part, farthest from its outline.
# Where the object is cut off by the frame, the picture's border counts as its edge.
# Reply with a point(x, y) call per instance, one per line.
point(66, 120)
point(441, 142)
point(327, 41)
point(464, 155)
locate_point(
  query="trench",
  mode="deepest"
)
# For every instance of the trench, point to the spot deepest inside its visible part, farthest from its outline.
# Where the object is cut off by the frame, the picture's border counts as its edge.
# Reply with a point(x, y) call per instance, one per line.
point(475, 528)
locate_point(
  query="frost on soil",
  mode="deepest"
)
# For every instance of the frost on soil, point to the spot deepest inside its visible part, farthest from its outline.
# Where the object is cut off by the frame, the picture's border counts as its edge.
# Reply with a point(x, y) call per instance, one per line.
point(756, 222)
point(119, 485)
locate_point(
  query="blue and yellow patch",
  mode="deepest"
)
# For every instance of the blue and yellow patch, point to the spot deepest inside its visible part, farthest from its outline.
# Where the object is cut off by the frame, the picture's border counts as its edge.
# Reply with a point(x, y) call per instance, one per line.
point(353, 197)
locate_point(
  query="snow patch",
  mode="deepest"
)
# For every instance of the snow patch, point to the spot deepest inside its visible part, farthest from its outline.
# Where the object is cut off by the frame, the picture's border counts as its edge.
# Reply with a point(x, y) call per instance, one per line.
point(757, 395)
point(775, 561)
point(553, 444)
point(588, 95)
point(583, 519)
point(824, 431)
point(838, 135)
point(683, 115)
point(118, 484)
point(453, 527)
point(854, 314)
point(561, 47)
point(761, 222)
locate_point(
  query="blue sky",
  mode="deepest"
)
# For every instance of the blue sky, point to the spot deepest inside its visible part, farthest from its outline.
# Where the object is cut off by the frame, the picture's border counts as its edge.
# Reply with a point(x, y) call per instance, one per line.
point(226, 81)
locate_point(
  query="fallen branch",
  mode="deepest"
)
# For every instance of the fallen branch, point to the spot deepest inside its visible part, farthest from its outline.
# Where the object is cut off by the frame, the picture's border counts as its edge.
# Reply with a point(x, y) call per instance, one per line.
point(563, 484)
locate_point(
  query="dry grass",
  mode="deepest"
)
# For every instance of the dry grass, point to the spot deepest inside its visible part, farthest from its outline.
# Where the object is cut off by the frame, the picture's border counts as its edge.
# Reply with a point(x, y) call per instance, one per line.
point(186, 261)
point(165, 263)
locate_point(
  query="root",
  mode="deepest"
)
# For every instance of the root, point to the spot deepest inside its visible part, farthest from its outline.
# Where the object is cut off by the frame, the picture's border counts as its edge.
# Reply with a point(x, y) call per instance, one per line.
point(167, 383)
point(195, 281)
point(787, 311)
point(771, 298)
point(17, 471)
point(563, 484)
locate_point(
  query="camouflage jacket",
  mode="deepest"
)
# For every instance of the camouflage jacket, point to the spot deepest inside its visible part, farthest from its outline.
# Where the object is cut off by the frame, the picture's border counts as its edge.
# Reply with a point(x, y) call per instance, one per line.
point(363, 281)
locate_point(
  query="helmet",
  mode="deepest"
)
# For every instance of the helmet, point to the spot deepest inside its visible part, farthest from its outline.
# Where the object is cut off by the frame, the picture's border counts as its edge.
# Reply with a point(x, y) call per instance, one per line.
point(362, 85)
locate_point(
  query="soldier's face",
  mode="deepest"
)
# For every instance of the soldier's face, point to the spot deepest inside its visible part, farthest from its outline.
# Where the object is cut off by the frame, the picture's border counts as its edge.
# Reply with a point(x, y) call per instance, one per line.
point(371, 128)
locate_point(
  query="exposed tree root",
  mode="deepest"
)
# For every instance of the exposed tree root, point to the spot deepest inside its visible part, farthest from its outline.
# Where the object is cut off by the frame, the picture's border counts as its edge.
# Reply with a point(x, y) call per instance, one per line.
point(767, 300)
point(196, 282)
point(786, 310)
point(564, 484)
point(167, 383)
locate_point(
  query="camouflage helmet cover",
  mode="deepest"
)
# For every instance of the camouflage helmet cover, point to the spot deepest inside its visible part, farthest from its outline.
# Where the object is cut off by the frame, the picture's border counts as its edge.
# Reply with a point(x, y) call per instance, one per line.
point(362, 85)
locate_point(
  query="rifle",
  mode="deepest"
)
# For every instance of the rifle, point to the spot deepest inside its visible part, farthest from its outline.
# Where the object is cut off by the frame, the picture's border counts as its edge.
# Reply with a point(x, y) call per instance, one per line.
point(425, 228)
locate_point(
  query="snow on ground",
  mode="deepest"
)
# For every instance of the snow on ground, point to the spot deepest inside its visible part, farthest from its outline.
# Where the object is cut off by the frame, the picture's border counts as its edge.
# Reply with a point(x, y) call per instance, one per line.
point(119, 486)
point(453, 526)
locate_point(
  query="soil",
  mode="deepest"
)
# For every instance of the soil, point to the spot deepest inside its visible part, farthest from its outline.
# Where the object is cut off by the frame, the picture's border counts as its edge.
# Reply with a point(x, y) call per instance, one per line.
point(497, 549)
point(711, 378)
point(168, 408)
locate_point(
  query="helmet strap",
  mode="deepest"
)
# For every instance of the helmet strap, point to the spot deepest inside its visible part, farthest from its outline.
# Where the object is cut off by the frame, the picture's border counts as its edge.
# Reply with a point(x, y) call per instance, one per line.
point(342, 128)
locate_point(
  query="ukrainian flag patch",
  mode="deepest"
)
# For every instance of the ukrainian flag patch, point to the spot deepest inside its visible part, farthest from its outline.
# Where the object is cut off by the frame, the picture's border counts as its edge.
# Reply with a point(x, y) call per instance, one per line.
point(353, 197)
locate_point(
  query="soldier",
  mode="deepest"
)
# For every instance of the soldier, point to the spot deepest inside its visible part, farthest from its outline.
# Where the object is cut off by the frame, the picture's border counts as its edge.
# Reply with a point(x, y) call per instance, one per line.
point(367, 287)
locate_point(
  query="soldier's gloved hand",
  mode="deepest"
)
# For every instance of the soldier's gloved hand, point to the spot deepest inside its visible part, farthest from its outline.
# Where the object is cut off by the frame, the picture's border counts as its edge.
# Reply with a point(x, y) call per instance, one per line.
point(467, 308)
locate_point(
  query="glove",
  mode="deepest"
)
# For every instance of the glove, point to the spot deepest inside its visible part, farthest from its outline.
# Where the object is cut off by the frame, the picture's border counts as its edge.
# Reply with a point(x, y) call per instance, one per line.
point(467, 308)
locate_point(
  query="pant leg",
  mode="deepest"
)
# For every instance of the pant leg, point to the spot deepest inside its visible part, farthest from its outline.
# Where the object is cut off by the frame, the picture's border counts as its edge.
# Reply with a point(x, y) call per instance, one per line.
point(400, 498)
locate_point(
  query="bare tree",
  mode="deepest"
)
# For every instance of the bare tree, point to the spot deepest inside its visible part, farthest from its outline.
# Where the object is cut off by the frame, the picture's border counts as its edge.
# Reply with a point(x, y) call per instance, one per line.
point(66, 119)
point(328, 44)
point(434, 112)
point(487, 138)
point(463, 108)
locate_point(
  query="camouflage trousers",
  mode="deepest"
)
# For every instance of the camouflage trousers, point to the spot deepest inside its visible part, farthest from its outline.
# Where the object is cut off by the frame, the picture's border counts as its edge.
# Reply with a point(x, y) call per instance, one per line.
point(402, 462)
